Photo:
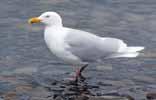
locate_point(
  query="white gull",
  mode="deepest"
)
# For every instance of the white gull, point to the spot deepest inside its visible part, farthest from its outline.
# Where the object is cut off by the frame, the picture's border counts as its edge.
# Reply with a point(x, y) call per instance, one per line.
point(78, 47)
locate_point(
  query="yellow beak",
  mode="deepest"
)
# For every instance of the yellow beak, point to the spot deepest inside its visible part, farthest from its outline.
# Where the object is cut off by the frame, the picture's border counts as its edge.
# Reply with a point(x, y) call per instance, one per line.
point(34, 20)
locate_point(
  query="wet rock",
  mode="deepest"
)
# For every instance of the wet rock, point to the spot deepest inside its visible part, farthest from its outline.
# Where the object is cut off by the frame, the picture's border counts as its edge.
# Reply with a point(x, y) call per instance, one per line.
point(114, 93)
point(67, 82)
point(92, 86)
point(70, 93)
point(55, 89)
point(82, 98)
point(54, 82)
point(151, 96)
point(72, 88)
point(58, 98)
point(62, 86)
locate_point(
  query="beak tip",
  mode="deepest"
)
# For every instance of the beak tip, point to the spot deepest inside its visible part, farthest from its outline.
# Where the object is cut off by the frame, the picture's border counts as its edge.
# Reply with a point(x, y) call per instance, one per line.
point(29, 21)
point(34, 20)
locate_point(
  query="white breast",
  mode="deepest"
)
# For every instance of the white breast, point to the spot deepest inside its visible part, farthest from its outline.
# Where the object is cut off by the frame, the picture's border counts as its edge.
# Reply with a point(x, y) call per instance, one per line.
point(54, 38)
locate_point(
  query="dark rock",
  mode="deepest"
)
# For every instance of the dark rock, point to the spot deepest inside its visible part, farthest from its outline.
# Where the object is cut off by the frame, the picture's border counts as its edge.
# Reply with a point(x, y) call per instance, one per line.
point(98, 94)
point(104, 84)
point(54, 82)
point(112, 94)
point(92, 86)
point(62, 86)
point(82, 98)
point(151, 96)
point(59, 98)
point(129, 97)
point(55, 96)
point(67, 82)
point(72, 88)
point(70, 93)
point(55, 89)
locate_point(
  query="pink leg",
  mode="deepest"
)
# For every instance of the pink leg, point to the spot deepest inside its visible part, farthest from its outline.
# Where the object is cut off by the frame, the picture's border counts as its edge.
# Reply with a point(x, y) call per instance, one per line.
point(79, 71)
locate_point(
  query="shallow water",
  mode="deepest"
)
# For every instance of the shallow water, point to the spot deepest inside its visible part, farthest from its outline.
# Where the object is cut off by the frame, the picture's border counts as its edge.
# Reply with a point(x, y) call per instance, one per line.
point(23, 50)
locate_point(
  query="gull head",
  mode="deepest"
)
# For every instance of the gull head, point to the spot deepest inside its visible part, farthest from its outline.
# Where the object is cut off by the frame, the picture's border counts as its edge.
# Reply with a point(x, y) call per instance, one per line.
point(47, 18)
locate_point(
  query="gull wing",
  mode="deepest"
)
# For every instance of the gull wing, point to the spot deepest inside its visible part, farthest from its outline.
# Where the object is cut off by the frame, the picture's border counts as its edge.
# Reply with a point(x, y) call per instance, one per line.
point(89, 47)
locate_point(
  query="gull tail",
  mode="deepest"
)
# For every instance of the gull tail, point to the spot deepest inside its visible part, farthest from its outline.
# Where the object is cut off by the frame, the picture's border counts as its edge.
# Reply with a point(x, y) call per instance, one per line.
point(134, 49)
point(129, 52)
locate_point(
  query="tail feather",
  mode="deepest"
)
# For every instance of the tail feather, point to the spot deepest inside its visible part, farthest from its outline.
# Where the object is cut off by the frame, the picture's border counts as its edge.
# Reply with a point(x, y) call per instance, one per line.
point(134, 49)
point(124, 55)
point(130, 52)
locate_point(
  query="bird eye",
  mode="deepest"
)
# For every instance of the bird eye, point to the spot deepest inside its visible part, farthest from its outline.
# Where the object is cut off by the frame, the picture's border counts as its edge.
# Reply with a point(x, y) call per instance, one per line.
point(47, 16)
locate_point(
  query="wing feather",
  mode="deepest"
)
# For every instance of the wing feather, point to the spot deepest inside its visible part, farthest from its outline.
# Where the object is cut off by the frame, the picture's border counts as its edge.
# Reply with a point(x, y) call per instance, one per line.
point(89, 47)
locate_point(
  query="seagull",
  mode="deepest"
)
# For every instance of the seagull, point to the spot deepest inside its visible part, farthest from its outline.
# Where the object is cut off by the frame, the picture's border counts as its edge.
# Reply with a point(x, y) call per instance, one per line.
point(79, 48)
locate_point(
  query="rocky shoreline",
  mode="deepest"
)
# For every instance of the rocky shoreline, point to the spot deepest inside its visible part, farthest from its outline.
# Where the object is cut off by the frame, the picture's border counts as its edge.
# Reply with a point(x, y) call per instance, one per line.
point(19, 88)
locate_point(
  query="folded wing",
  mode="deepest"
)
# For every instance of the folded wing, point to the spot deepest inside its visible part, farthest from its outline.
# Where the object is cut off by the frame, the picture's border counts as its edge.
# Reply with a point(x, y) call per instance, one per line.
point(89, 47)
